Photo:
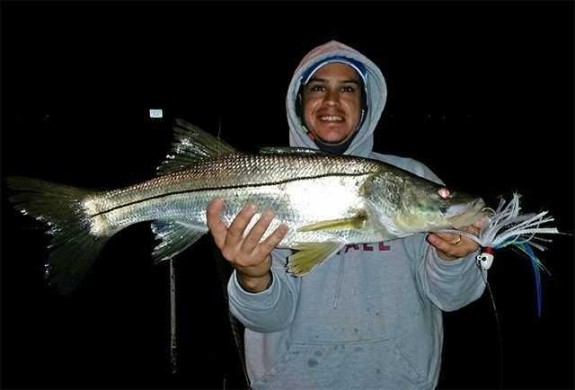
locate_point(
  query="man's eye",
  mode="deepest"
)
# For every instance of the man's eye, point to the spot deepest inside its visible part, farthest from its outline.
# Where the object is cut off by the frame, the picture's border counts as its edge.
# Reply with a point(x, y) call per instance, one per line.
point(317, 88)
point(348, 88)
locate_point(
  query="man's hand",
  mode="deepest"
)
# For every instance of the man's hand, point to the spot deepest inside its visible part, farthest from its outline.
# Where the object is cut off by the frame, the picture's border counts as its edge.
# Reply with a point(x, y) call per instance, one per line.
point(454, 246)
point(250, 257)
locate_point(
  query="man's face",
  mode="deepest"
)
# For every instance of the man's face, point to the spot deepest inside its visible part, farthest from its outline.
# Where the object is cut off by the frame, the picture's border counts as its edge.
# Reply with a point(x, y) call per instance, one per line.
point(332, 103)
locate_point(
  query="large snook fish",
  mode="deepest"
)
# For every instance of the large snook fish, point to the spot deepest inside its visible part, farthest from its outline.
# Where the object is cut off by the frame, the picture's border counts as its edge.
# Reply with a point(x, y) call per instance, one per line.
point(327, 201)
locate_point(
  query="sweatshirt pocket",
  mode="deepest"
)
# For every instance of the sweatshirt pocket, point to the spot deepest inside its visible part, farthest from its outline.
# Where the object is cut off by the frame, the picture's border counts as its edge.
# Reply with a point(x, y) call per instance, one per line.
point(304, 366)
point(373, 364)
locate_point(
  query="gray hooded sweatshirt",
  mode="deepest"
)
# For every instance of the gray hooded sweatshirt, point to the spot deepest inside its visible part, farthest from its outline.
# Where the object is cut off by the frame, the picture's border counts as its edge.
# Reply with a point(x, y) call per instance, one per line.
point(370, 317)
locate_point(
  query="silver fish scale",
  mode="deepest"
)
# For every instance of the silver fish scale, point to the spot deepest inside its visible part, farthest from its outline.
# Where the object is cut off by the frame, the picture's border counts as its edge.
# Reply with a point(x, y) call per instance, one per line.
point(301, 189)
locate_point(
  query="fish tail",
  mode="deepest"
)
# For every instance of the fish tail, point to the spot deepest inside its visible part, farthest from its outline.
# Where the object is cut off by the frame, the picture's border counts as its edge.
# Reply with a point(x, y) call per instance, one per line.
point(73, 245)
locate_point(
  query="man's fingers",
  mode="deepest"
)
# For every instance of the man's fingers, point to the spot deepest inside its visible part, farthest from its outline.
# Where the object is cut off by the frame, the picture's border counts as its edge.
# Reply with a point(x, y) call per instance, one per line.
point(449, 237)
point(272, 241)
point(452, 246)
point(239, 224)
point(230, 240)
point(479, 225)
point(475, 228)
point(215, 224)
point(256, 233)
point(441, 243)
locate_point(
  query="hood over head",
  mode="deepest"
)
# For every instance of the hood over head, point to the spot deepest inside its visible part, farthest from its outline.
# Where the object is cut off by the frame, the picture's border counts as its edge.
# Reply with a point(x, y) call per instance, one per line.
point(375, 94)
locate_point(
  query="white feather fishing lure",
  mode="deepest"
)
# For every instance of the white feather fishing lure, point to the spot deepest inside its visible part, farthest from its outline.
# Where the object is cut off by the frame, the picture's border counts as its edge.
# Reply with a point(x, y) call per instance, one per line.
point(506, 226)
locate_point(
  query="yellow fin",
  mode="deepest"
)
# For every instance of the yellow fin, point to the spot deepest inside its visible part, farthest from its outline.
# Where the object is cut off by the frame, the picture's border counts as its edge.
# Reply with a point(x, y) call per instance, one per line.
point(310, 254)
point(352, 223)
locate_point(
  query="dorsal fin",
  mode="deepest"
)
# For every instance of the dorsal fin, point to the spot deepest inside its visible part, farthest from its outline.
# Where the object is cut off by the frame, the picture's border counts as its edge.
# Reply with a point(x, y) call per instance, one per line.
point(189, 145)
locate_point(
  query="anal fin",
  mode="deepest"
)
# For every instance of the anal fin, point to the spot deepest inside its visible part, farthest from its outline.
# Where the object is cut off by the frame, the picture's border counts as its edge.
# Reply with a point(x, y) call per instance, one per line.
point(174, 237)
point(310, 254)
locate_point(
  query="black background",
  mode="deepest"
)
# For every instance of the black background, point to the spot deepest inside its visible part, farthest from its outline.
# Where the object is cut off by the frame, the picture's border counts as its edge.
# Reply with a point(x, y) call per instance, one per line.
point(481, 92)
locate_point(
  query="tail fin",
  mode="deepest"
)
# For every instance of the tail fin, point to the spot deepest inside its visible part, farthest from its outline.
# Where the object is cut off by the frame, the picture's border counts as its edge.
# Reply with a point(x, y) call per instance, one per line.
point(72, 248)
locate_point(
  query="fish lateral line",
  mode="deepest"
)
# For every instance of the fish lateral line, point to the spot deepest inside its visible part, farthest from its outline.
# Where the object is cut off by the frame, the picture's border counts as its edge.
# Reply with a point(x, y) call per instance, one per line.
point(223, 188)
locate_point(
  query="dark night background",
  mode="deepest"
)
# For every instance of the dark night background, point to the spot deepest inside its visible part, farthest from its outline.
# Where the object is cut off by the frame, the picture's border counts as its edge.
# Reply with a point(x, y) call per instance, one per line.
point(480, 92)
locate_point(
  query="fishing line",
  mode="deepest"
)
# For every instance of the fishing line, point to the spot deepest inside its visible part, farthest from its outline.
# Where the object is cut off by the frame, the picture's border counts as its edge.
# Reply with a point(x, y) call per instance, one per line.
point(497, 324)
point(219, 134)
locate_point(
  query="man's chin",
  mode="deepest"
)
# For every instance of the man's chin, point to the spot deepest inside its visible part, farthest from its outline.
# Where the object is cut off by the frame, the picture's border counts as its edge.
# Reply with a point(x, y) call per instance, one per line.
point(333, 140)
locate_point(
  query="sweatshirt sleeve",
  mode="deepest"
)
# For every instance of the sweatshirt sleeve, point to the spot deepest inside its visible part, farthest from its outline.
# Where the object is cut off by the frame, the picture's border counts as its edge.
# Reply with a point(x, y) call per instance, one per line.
point(270, 310)
point(450, 285)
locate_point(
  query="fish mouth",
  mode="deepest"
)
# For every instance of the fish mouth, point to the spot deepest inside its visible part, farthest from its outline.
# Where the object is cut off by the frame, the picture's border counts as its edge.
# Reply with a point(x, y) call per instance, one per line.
point(465, 214)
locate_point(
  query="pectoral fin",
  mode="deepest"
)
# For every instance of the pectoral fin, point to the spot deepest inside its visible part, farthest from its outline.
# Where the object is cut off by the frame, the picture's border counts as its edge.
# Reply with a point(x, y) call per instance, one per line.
point(310, 254)
point(352, 223)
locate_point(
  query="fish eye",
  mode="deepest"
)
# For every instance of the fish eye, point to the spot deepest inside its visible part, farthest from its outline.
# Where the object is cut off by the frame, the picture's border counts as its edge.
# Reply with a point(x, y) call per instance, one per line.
point(444, 193)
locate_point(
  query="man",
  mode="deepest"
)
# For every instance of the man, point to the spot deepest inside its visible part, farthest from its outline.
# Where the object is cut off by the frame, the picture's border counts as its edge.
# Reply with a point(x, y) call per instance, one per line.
point(371, 316)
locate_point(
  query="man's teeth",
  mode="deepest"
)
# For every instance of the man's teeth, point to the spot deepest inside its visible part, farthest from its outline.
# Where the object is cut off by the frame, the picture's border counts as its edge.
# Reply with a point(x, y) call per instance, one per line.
point(331, 118)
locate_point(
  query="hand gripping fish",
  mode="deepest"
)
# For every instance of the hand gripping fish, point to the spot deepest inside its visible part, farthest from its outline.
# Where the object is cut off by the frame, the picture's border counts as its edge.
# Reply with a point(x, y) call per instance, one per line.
point(327, 201)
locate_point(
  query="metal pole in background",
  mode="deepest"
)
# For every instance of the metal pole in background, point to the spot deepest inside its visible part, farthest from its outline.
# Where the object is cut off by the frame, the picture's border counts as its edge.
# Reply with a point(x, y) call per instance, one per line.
point(173, 328)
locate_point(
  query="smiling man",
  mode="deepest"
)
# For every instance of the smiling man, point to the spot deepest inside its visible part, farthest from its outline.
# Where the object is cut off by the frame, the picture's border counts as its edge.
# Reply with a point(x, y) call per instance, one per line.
point(371, 317)
point(331, 99)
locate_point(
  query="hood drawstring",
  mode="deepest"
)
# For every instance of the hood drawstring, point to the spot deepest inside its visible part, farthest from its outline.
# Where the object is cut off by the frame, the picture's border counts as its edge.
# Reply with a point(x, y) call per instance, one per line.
point(339, 279)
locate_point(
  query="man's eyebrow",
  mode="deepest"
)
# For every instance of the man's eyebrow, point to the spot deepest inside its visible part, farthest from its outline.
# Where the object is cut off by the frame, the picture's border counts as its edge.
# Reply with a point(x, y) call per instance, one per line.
point(349, 81)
